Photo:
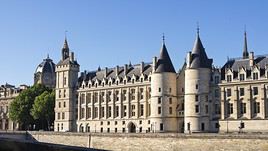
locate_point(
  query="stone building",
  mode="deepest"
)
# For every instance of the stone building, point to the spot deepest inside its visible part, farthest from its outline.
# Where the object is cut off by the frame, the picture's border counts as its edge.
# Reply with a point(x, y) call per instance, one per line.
point(154, 97)
point(45, 73)
point(7, 95)
point(244, 93)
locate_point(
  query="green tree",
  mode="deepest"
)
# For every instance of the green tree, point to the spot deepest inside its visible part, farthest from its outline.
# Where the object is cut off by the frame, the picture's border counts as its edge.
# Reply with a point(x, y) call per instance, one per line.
point(21, 106)
point(43, 108)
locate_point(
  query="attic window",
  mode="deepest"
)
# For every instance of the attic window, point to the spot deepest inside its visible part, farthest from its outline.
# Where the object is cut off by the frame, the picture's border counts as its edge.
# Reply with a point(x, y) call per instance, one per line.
point(255, 76)
point(141, 79)
point(229, 78)
point(117, 82)
point(241, 77)
point(125, 81)
point(132, 80)
point(149, 79)
point(110, 83)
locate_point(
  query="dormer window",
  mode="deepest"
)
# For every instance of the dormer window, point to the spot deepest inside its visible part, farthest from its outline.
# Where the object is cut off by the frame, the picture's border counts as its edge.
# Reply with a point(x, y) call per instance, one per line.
point(229, 78)
point(255, 75)
point(242, 77)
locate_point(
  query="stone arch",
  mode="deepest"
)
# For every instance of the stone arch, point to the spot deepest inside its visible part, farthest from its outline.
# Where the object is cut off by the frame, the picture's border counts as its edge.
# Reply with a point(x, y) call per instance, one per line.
point(87, 128)
point(81, 128)
point(131, 127)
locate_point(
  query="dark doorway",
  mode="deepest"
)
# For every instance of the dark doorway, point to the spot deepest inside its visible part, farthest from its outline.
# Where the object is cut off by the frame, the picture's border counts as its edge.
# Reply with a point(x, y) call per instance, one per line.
point(131, 128)
point(202, 126)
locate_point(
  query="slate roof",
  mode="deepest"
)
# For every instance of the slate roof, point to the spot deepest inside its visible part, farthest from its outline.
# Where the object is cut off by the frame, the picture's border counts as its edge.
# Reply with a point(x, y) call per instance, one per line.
point(199, 56)
point(111, 73)
point(46, 66)
point(237, 63)
point(67, 61)
point(164, 63)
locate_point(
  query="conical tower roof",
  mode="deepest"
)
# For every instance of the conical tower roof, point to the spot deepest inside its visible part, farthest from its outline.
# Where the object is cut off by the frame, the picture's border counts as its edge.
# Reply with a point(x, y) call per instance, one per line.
point(199, 56)
point(164, 63)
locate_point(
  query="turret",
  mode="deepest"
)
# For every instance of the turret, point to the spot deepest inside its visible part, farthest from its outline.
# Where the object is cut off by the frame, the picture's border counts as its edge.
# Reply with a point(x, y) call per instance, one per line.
point(66, 82)
point(164, 90)
point(197, 80)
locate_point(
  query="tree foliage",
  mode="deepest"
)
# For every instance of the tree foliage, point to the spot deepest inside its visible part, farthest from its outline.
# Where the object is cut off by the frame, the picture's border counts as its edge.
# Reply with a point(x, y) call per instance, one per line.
point(43, 107)
point(21, 107)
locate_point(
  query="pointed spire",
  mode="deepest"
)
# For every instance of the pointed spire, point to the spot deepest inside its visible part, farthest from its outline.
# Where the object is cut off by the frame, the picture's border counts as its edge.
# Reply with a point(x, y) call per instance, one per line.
point(164, 63)
point(199, 56)
point(245, 49)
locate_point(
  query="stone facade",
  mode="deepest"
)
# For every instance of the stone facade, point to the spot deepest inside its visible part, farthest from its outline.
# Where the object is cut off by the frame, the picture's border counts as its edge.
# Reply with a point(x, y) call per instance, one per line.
point(7, 95)
point(153, 97)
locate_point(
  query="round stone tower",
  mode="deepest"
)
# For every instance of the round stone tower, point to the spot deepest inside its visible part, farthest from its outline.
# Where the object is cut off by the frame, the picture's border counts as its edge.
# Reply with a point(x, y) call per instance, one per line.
point(164, 100)
point(197, 85)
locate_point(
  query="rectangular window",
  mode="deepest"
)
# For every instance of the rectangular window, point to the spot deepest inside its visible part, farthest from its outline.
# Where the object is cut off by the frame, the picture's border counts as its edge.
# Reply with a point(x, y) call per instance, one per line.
point(161, 126)
point(255, 76)
point(170, 110)
point(230, 108)
point(141, 110)
point(59, 104)
point(109, 111)
point(59, 93)
point(141, 93)
point(229, 92)
point(132, 110)
point(124, 95)
point(116, 111)
point(125, 110)
point(64, 93)
point(196, 86)
point(89, 112)
point(196, 98)
point(241, 91)
point(64, 81)
point(229, 78)
point(109, 96)
point(159, 100)
point(95, 112)
point(159, 89)
point(243, 108)
point(241, 77)
point(132, 94)
point(88, 97)
point(196, 108)
point(255, 90)
point(256, 107)
point(159, 110)
point(58, 116)
point(82, 98)
point(63, 115)
point(102, 111)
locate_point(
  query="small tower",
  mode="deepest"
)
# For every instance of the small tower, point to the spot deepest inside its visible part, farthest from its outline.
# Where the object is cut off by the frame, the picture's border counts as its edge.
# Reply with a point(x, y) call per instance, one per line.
point(164, 90)
point(66, 83)
point(197, 84)
point(245, 50)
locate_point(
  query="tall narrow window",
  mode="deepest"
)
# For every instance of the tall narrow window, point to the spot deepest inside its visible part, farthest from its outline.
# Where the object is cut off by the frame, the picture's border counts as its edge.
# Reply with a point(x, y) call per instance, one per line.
point(229, 92)
point(241, 77)
point(159, 110)
point(255, 90)
point(255, 76)
point(141, 110)
point(196, 108)
point(241, 91)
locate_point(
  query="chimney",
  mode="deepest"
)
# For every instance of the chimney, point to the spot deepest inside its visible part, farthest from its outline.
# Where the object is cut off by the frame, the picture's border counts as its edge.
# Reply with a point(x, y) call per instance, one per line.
point(72, 56)
point(189, 59)
point(125, 69)
point(106, 72)
point(251, 59)
point(141, 67)
point(154, 64)
point(117, 70)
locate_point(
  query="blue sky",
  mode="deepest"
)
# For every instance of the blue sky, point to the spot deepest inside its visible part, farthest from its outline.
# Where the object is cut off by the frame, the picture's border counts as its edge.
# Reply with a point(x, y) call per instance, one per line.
point(114, 32)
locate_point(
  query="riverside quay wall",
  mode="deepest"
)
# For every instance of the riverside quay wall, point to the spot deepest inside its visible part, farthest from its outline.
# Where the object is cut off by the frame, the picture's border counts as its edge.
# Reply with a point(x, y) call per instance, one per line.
point(157, 141)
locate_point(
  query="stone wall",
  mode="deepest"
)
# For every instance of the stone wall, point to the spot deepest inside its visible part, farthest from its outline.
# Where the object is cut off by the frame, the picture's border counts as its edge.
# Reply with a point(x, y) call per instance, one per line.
point(160, 141)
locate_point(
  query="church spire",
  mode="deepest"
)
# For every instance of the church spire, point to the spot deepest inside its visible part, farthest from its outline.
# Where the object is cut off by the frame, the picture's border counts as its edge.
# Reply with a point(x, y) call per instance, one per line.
point(245, 49)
